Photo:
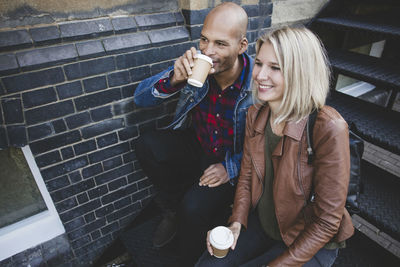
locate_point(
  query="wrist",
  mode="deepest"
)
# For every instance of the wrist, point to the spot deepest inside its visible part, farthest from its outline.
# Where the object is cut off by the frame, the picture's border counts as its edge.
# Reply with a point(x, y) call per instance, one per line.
point(236, 225)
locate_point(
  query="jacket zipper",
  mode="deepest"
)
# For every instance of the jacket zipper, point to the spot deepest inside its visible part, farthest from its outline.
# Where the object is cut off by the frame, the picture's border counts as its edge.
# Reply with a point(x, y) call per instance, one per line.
point(299, 175)
point(259, 178)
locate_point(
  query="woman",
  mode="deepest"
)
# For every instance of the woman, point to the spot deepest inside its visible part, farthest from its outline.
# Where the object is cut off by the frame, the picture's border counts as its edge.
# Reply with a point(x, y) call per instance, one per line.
point(283, 226)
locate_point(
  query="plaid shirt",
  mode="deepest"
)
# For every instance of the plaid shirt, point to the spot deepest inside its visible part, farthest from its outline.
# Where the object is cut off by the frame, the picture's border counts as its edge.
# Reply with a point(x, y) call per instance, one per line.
point(212, 118)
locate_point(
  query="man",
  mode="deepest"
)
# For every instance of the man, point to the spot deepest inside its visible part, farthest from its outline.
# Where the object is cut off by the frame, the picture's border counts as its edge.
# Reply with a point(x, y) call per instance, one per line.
point(194, 161)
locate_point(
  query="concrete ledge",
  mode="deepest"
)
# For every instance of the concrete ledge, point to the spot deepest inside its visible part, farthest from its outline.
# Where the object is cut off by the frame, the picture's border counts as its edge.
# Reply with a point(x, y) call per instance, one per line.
point(193, 17)
point(45, 35)
point(156, 21)
point(125, 43)
point(8, 64)
point(124, 24)
point(86, 29)
point(168, 36)
point(180, 20)
point(90, 49)
point(11, 40)
point(122, 41)
point(45, 57)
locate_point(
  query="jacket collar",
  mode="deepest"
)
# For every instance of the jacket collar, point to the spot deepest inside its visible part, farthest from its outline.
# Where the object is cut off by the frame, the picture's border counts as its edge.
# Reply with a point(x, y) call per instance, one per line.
point(250, 61)
point(292, 129)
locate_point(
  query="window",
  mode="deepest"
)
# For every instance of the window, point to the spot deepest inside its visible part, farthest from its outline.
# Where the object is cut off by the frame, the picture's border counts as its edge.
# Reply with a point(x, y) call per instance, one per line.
point(27, 214)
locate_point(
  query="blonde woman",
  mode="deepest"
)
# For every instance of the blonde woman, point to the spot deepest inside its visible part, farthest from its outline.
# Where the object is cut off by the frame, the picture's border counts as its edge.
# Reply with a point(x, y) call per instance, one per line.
point(274, 220)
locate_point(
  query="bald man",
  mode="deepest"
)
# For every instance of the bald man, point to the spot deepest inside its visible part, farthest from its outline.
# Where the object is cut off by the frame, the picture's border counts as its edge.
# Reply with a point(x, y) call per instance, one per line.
point(194, 161)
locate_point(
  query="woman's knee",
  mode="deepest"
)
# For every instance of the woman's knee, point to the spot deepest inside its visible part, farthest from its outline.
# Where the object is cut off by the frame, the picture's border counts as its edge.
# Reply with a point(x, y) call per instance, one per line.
point(204, 205)
point(206, 260)
point(323, 258)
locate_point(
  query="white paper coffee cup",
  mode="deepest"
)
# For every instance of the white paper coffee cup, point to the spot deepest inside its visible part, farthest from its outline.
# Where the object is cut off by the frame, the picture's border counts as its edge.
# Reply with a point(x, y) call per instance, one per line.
point(200, 70)
point(221, 239)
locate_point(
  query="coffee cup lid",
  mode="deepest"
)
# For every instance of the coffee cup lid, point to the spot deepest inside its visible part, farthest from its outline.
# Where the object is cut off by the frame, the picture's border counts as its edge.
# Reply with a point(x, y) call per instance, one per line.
point(221, 237)
point(206, 58)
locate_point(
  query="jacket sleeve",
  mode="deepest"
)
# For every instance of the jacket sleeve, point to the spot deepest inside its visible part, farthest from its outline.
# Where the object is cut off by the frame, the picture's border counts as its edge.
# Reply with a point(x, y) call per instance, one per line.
point(242, 202)
point(330, 183)
point(232, 165)
point(146, 95)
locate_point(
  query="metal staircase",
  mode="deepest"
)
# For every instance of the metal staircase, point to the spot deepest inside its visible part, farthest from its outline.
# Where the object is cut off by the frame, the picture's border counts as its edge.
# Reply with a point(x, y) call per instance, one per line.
point(362, 39)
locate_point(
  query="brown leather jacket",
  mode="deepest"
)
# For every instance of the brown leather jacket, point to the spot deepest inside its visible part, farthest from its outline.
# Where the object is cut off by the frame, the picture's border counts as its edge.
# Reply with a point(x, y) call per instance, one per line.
point(305, 226)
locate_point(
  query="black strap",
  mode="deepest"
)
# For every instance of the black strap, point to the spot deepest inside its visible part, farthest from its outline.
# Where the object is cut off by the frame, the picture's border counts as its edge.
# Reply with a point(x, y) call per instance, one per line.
point(310, 129)
point(310, 145)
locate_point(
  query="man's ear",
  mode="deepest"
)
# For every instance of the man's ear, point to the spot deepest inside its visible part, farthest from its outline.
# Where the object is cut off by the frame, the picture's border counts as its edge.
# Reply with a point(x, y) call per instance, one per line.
point(244, 43)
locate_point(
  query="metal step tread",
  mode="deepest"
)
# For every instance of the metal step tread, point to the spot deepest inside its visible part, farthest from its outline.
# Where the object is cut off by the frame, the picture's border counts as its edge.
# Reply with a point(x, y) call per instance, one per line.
point(379, 200)
point(375, 234)
point(375, 25)
point(138, 242)
point(361, 251)
point(373, 123)
point(366, 68)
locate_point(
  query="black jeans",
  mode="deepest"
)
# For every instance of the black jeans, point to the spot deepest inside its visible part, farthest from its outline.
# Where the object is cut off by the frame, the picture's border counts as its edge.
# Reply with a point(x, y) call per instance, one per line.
point(174, 161)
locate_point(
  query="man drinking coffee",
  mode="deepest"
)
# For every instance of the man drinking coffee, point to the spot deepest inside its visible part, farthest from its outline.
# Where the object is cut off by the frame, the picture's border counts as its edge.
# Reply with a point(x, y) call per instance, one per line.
point(194, 161)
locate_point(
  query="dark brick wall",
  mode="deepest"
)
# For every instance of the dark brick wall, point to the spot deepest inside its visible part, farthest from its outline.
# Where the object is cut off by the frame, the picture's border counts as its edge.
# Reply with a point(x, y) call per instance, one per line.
point(67, 92)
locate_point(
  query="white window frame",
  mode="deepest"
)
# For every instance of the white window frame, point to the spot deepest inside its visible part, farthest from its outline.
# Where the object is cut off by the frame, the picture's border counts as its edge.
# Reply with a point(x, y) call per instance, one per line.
point(36, 229)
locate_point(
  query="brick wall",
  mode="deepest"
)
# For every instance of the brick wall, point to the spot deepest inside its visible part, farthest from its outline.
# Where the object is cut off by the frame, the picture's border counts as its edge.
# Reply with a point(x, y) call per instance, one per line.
point(67, 91)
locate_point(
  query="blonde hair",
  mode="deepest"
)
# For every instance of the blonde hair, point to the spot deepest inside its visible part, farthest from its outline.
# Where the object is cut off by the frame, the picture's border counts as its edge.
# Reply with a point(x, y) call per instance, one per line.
point(304, 65)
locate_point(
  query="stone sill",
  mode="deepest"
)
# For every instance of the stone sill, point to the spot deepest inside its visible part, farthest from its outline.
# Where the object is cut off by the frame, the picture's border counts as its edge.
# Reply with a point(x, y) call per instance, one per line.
point(125, 34)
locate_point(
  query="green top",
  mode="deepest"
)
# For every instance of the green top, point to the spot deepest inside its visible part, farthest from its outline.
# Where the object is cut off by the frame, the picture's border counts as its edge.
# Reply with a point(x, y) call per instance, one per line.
point(266, 207)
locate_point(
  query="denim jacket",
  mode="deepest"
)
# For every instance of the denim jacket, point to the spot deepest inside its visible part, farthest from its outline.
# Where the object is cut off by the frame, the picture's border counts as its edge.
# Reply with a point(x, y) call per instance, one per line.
point(146, 96)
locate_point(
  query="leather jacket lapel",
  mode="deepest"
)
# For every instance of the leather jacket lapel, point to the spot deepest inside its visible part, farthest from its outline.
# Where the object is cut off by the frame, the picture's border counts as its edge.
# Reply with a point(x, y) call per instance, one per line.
point(257, 141)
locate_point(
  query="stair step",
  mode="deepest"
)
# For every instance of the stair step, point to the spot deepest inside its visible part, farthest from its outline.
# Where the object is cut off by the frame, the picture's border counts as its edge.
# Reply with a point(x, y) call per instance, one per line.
point(379, 200)
point(138, 242)
point(373, 123)
point(376, 235)
point(362, 23)
point(362, 251)
point(366, 68)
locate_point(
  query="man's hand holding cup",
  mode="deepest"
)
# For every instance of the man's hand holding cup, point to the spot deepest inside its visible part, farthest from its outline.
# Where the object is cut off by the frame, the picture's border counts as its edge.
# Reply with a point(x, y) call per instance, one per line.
point(192, 67)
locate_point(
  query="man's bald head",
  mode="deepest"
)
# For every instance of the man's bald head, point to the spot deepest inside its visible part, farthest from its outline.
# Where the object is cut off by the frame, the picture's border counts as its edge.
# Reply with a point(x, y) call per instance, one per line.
point(230, 14)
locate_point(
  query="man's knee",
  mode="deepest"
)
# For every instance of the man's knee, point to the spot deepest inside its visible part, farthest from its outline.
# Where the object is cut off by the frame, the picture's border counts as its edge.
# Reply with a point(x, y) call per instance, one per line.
point(142, 143)
point(156, 145)
point(146, 147)
point(196, 206)
point(190, 206)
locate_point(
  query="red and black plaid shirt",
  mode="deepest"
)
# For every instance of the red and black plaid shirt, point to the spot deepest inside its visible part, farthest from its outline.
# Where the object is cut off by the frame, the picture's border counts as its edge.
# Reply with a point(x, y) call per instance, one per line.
point(213, 117)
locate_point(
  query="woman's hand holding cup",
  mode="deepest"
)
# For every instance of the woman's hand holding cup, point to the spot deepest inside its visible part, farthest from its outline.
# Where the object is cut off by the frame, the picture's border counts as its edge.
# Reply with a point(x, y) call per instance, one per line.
point(235, 228)
point(221, 238)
